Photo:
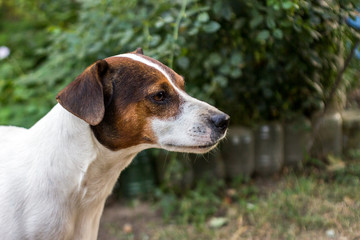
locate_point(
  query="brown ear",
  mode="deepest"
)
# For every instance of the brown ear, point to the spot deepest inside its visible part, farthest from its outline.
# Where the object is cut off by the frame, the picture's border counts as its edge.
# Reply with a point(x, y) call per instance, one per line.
point(84, 97)
point(139, 51)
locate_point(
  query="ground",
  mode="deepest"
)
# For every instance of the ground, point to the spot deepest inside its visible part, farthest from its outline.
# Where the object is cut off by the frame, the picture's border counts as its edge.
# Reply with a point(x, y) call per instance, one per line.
point(293, 205)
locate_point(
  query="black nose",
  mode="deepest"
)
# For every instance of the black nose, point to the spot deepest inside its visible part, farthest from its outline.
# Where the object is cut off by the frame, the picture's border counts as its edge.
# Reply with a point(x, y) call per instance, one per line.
point(220, 121)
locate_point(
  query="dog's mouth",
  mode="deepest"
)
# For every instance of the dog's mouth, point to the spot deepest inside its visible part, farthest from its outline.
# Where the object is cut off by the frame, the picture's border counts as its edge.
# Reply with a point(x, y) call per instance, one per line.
point(191, 149)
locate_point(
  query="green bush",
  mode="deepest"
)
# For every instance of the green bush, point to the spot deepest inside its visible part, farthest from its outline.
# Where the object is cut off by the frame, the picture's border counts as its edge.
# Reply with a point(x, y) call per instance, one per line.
point(25, 30)
point(269, 59)
point(257, 60)
point(195, 206)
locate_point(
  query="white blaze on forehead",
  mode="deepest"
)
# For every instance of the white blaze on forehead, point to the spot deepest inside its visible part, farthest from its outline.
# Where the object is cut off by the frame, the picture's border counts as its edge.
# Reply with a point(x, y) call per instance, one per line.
point(158, 67)
point(150, 64)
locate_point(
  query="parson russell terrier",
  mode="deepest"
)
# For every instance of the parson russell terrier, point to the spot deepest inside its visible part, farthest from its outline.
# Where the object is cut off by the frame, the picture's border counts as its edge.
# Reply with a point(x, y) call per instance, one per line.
point(56, 176)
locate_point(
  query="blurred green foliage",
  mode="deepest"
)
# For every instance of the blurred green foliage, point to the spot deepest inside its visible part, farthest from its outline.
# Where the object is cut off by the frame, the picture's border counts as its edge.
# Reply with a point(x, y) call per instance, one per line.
point(194, 206)
point(257, 60)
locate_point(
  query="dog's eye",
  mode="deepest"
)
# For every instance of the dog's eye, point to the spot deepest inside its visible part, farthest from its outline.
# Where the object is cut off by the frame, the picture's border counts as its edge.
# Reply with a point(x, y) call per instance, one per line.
point(159, 96)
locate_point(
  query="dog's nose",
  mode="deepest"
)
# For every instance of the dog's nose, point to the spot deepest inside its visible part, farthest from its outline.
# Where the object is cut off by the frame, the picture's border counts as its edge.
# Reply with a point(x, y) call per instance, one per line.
point(220, 121)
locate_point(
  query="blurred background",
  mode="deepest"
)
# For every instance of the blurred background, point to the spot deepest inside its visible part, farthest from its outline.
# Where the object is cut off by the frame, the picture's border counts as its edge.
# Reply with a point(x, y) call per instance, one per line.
point(287, 72)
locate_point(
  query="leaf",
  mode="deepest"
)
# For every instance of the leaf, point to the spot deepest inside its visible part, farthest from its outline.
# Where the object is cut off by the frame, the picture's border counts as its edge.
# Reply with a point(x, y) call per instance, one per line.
point(169, 19)
point(270, 22)
point(287, 5)
point(263, 35)
point(193, 31)
point(278, 34)
point(212, 27)
point(221, 80)
point(218, 222)
point(183, 62)
point(256, 21)
point(215, 59)
point(155, 40)
point(159, 24)
point(239, 23)
point(203, 17)
point(225, 69)
point(236, 59)
point(236, 73)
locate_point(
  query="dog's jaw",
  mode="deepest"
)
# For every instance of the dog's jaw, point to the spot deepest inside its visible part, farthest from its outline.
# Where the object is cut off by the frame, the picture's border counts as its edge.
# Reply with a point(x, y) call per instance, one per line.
point(189, 149)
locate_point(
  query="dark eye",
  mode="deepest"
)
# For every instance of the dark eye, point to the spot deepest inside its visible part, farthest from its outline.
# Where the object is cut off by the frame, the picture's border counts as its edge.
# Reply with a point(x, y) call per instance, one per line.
point(159, 96)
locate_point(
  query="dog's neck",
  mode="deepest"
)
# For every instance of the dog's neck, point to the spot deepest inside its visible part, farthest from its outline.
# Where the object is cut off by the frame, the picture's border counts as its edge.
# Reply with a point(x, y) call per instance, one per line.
point(90, 169)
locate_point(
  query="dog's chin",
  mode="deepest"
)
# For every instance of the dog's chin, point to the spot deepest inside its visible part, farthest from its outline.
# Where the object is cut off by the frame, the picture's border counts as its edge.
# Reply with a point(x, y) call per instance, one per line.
point(199, 149)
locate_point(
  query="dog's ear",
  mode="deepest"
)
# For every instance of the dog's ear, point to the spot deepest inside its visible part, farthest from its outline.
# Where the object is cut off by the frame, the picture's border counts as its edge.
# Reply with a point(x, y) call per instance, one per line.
point(84, 97)
point(139, 51)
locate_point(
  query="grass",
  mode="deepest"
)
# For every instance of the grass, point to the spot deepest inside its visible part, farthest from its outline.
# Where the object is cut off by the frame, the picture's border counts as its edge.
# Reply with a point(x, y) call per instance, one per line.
point(311, 204)
point(303, 203)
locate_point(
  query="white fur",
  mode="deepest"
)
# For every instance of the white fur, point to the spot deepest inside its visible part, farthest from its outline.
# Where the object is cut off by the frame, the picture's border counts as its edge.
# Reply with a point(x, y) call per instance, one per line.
point(51, 180)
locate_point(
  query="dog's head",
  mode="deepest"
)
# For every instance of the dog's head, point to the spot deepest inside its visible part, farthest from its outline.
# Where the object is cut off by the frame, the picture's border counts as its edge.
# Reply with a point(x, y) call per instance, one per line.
point(131, 99)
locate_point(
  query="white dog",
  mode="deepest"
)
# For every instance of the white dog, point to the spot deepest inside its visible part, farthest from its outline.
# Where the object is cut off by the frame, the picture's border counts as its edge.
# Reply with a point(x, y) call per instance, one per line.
point(56, 176)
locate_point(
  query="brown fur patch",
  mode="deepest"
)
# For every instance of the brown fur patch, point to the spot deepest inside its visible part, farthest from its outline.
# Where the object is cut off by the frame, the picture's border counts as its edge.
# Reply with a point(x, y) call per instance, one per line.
point(175, 78)
point(127, 117)
point(84, 97)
